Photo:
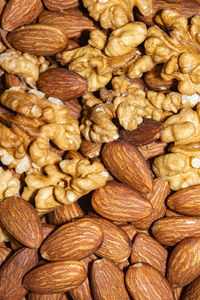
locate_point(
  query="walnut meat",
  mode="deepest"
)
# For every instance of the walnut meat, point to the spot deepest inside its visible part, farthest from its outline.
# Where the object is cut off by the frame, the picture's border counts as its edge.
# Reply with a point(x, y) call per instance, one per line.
point(115, 13)
point(10, 185)
point(62, 185)
point(25, 65)
point(178, 50)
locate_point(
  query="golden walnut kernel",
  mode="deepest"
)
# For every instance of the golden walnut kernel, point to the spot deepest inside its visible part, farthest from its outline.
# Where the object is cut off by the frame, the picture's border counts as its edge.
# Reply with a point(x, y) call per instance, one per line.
point(178, 49)
point(38, 120)
point(98, 65)
point(115, 13)
point(25, 65)
point(10, 185)
point(65, 184)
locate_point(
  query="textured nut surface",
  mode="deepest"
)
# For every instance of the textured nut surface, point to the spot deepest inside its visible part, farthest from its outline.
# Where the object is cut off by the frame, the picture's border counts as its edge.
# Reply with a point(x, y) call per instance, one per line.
point(58, 5)
point(62, 84)
point(127, 164)
point(74, 240)
point(119, 202)
point(38, 39)
point(55, 277)
point(22, 221)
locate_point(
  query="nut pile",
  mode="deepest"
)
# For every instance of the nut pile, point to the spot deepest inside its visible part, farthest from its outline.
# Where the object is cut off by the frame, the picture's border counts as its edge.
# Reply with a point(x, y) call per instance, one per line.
point(99, 150)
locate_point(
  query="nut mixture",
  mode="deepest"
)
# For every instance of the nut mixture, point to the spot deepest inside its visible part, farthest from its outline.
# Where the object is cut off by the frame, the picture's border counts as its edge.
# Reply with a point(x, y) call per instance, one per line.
point(99, 150)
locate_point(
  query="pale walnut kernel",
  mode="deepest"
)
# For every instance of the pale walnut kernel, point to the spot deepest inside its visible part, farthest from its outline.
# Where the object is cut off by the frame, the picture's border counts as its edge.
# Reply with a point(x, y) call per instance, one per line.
point(10, 185)
point(115, 13)
point(178, 51)
point(26, 66)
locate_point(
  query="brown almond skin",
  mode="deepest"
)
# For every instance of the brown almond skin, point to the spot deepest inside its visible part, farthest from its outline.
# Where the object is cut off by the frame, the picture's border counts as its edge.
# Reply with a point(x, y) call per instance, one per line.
point(184, 262)
point(55, 277)
point(20, 12)
point(129, 229)
point(21, 220)
point(74, 240)
point(192, 291)
point(61, 83)
point(4, 253)
point(58, 5)
point(74, 108)
point(33, 296)
point(13, 271)
point(72, 21)
point(115, 239)
point(38, 39)
point(118, 202)
point(47, 229)
point(153, 149)
point(146, 249)
point(107, 281)
point(65, 214)
point(2, 4)
point(128, 165)
point(145, 282)
point(169, 231)
point(156, 196)
point(148, 131)
point(186, 201)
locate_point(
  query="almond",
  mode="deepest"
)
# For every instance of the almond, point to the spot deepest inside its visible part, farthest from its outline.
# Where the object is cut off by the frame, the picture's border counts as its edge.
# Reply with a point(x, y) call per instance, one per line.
point(59, 5)
point(127, 164)
point(55, 277)
point(33, 296)
point(115, 239)
point(129, 229)
point(2, 4)
point(171, 230)
point(72, 21)
point(20, 12)
point(12, 80)
point(146, 249)
point(153, 149)
point(186, 201)
point(184, 262)
point(192, 291)
point(148, 131)
point(90, 149)
point(13, 270)
point(74, 108)
point(74, 240)
point(118, 202)
point(38, 39)
point(65, 214)
point(107, 281)
point(47, 229)
point(145, 282)
point(61, 83)
point(4, 253)
point(21, 220)
point(156, 196)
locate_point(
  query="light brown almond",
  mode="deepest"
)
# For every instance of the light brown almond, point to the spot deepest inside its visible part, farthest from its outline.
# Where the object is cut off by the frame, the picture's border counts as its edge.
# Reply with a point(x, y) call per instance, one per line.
point(192, 291)
point(129, 229)
point(38, 39)
point(90, 149)
point(74, 108)
point(21, 220)
point(33, 296)
point(184, 262)
point(20, 12)
point(59, 5)
point(145, 282)
point(169, 231)
point(146, 249)
point(107, 281)
point(4, 253)
point(55, 277)
point(65, 214)
point(127, 164)
point(118, 202)
point(153, 149)
point(74, 240)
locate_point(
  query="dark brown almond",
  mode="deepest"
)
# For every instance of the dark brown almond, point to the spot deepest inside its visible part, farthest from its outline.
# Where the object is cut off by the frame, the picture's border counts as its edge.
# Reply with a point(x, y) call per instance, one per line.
point(65, 214)
point(184, 262)
point(4, 253)
point(61, 83)
point(171, 230)
point(20, 12)
point(55, 277)
point(115, 239)
point(47, 229)
point(157, 197)
point(59, 5)
point(21, 220)
point(33, 296)
point(107, 281)
point(12, 80)
point(146, 249)
point(118, 202)
point(145, 282)
point(186, 201)
point(153, 149)
point(13, 270)
point(192, 291)
point(72, 21)
point(147, 132)
point(74, 240)
point(38, 39)
point(127, 164)
point(2, 4)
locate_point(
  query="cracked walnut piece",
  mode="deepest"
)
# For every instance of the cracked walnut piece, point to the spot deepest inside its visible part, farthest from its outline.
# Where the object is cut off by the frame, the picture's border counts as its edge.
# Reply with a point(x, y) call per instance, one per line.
point(25, 65)
point(62, 186)
point(10, 185)
point(115, 13)
point(178, 50)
